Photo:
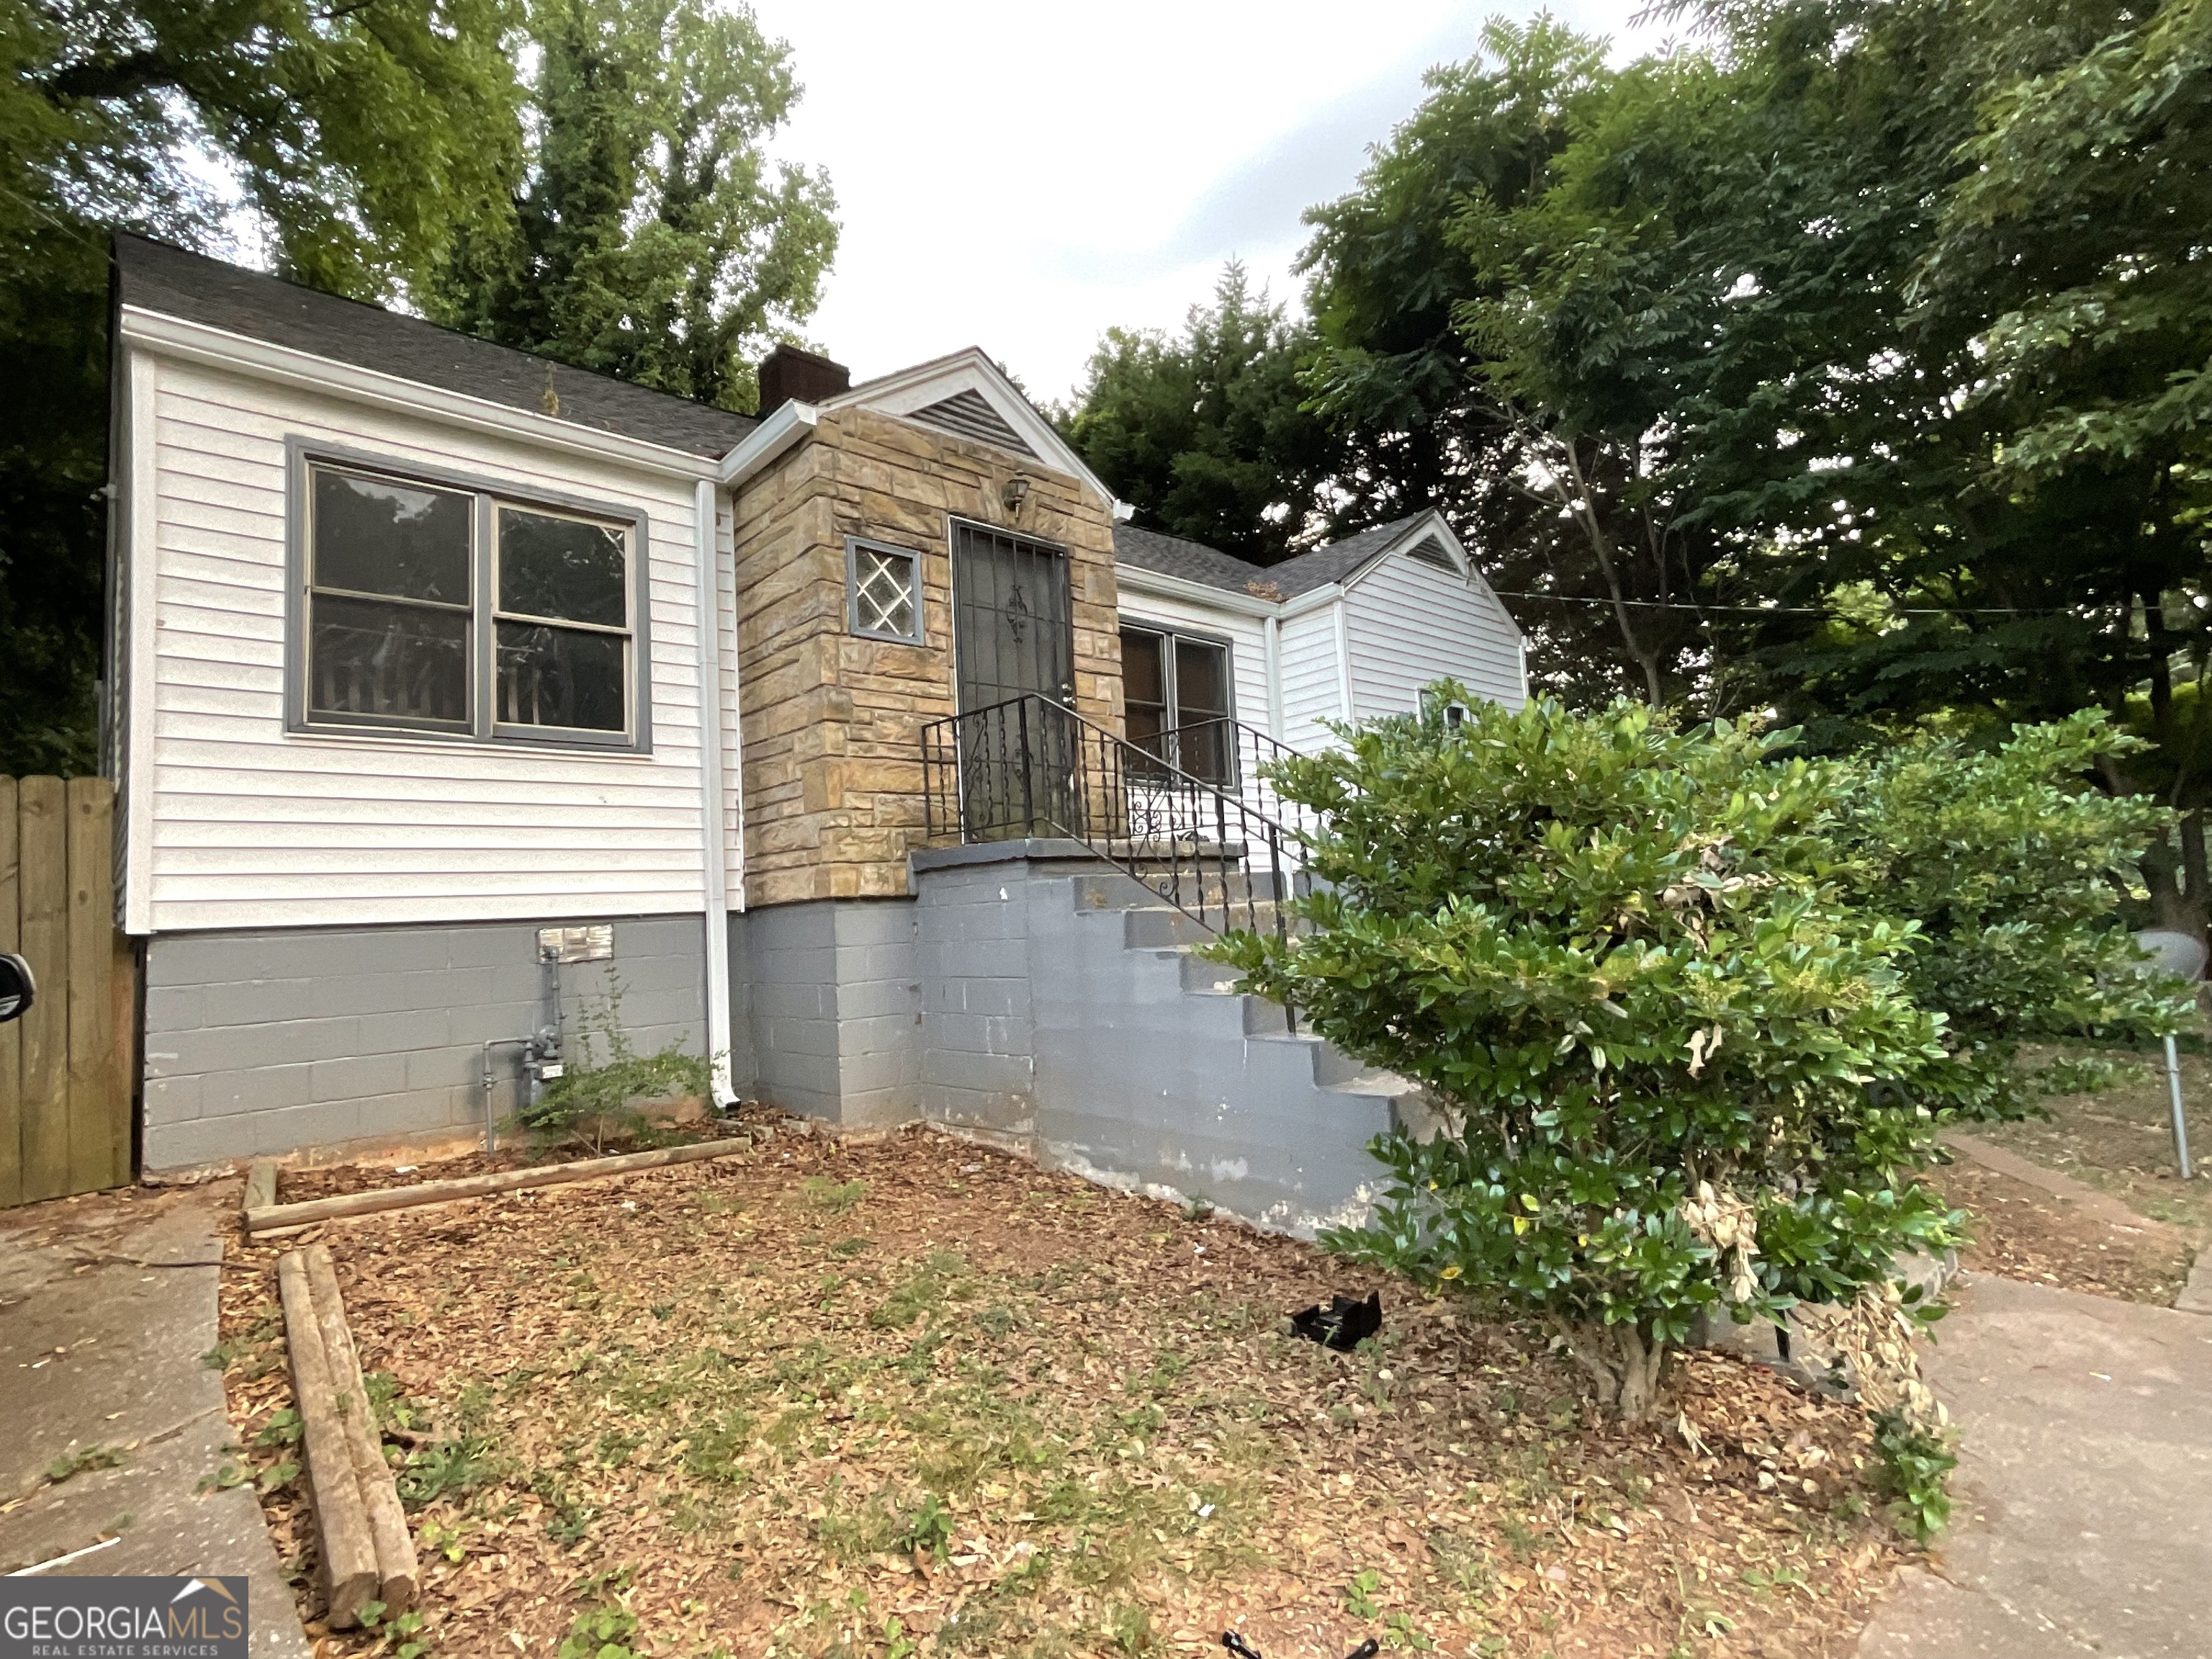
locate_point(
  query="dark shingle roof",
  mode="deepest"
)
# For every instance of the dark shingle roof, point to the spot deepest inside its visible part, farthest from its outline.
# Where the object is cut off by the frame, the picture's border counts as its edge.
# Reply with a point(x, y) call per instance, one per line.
point(154, 277)
point(1338, 560)
point(1171, 555)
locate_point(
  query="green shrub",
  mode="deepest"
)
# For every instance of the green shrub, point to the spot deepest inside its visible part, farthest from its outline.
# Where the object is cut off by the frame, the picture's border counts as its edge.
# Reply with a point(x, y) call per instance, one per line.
point(1691, 1006)
point(1619, 958)
point(594, 1100)
point(2012, 864)
point(1913, 1464)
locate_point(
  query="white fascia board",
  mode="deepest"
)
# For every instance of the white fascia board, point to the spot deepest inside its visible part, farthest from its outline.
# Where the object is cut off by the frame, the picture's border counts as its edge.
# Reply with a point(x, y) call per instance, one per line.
point(1312, 599)
point(218, 348)
point(791, 423)
point(972, 370)
point(1137, 580)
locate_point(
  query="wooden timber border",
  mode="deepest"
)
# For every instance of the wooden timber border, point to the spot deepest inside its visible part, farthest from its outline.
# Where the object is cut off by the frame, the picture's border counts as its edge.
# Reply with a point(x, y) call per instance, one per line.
point(265, 1217)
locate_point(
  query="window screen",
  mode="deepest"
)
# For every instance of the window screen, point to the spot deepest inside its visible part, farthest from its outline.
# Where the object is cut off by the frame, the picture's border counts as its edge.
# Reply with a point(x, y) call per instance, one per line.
point(389, 610)
point(394, 632)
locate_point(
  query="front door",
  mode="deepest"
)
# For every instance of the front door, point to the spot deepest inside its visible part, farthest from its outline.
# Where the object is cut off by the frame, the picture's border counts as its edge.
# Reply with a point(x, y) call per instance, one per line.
point(1013, 636)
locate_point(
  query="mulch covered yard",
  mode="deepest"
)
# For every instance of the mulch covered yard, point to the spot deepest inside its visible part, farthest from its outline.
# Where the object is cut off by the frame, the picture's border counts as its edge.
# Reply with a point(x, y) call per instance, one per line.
point(909, 1397)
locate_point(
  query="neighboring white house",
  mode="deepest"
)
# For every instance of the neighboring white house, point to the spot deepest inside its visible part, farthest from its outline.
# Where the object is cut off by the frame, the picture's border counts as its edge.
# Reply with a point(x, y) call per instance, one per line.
point(1346, 632)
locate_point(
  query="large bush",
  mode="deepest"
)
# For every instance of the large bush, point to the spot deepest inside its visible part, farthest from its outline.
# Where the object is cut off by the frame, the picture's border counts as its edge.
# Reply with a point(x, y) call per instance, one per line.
point(1642, 972)
point(2013, 868)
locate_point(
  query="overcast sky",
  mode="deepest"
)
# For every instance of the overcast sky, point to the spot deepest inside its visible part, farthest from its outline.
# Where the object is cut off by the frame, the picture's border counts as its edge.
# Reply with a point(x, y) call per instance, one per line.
point(1022, 176)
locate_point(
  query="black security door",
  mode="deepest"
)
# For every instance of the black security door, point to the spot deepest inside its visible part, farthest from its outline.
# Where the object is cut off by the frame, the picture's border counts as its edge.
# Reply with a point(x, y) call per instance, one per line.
point(1013, 635)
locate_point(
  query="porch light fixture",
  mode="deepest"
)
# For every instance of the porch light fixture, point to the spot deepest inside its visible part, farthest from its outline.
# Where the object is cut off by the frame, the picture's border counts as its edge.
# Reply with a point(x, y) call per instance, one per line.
point(1016, 492)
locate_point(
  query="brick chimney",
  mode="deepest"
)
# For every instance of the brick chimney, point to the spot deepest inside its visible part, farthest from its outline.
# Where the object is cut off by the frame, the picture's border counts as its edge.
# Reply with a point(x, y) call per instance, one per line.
point(790, 375)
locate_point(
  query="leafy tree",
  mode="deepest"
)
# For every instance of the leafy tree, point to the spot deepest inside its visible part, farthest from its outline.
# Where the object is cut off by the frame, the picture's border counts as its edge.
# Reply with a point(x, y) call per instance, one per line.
point(651, 236)
point(1396, 375)
point(1649, 973)
point(359, 136)
point(2011, 868)
point(1206, 434)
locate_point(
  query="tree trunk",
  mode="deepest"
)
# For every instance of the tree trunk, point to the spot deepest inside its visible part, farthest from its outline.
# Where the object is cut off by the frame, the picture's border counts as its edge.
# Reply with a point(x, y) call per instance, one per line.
point(1626, 1366)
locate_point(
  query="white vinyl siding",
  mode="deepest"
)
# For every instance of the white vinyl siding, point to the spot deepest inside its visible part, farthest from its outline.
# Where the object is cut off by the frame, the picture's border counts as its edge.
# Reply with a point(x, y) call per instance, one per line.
point(254, 827)
point(1409, 624)
point(1247, 638)
point(1313, 684)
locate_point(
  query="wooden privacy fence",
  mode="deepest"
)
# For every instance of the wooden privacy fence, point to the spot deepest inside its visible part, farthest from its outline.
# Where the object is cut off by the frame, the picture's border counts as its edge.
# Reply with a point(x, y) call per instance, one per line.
point(65, 1065)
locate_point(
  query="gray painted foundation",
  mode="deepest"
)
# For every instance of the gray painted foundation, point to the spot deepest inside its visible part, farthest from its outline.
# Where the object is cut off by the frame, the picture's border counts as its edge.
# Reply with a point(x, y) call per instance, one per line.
point(826, 1009)
point(279, 1040)
point(1064, 1016)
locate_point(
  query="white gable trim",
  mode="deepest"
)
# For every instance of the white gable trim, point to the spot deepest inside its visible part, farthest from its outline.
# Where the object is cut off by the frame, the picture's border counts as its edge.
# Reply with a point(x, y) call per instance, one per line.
point(1433, 523)
point(912, 390)
point(218, 348)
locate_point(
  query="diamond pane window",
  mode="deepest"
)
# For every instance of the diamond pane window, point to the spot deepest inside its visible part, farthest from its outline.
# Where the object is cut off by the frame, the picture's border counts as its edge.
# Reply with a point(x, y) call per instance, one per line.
point(885, 590)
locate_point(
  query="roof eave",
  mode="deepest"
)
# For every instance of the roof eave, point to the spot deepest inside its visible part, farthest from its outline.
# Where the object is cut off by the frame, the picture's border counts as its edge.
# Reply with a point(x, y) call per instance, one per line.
point(203, 344)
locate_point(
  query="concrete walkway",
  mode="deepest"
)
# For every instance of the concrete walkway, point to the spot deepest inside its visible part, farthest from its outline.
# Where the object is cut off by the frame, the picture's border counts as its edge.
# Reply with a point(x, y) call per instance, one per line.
point(107, 1305)
point(2082, 1520)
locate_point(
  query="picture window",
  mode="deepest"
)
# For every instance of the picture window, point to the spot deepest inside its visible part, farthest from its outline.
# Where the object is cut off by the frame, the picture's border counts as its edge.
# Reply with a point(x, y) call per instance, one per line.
point(432, 607)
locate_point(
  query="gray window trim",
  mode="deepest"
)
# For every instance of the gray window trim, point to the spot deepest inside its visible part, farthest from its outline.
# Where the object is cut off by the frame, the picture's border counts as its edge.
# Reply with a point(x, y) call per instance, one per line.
point(854, 544)
point(300, 452)
point(1173, 631)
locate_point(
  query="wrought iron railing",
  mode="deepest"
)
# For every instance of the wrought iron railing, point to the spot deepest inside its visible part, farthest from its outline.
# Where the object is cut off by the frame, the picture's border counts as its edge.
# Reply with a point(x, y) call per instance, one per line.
point(1029, 766)
point(1235, 757)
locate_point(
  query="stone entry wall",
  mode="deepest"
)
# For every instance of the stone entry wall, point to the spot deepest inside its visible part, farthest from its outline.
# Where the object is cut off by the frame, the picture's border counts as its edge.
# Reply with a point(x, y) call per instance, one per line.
point(831, 722)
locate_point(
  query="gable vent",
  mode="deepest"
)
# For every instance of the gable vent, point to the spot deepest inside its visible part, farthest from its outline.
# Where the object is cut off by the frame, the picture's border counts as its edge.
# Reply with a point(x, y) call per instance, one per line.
point(1429, 551)
point(969, 415)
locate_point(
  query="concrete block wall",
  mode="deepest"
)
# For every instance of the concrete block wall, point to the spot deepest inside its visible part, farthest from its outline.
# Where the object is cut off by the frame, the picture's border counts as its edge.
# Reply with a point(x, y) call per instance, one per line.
point(826, 997)
point(1052, 1022)
point(273, 1040)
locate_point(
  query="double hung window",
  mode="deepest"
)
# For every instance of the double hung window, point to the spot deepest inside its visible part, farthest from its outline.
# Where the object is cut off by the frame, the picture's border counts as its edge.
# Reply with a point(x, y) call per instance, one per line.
point(429, 607)
point(1175, 699)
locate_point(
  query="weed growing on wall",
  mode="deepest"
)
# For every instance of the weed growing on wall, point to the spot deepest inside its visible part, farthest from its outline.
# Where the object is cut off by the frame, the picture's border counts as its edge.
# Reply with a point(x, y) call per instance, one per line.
point(597, 1097)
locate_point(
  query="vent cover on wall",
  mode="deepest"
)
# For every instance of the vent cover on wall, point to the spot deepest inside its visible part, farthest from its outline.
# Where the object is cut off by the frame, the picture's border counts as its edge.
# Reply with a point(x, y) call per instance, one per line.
point(1431, 551)
point(970, 415)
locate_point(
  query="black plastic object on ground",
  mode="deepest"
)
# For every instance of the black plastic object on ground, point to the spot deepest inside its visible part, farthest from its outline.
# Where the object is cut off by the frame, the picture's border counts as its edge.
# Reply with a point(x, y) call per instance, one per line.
point(1343, 1325)
point(1243, 1649)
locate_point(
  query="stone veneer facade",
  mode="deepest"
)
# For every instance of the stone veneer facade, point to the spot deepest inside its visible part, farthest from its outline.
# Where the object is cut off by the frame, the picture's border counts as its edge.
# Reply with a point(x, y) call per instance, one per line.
point(831, 722)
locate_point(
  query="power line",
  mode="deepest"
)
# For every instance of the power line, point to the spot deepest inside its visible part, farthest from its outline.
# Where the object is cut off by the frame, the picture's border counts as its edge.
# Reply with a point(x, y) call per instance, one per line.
point(1789, 610)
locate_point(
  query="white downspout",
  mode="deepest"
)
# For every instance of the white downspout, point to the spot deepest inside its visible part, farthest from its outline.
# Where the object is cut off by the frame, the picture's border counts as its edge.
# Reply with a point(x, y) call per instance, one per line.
point(1273, 625)
point(715, 857)
point(1344, 660)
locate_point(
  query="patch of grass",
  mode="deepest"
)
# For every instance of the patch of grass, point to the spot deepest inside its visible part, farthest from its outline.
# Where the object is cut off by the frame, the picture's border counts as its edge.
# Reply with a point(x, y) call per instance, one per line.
point(448, 1468)
point(921, 1293)
point(835, 1197)
point(77, 1461)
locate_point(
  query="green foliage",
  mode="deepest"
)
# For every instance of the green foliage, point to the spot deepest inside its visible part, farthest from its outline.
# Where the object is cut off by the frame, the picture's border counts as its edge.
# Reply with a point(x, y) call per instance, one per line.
point(448, 1468)
point(837, 1197)
point(1207, 434)
point(2010, 866)
point(1620, 954)
point(595, 1099)
point(1359, 1593)
point(651, 234)
point(78, 1460)
point(604, 1632)
point(1913, 1464)
point(359, 137)
point(931, 1529)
